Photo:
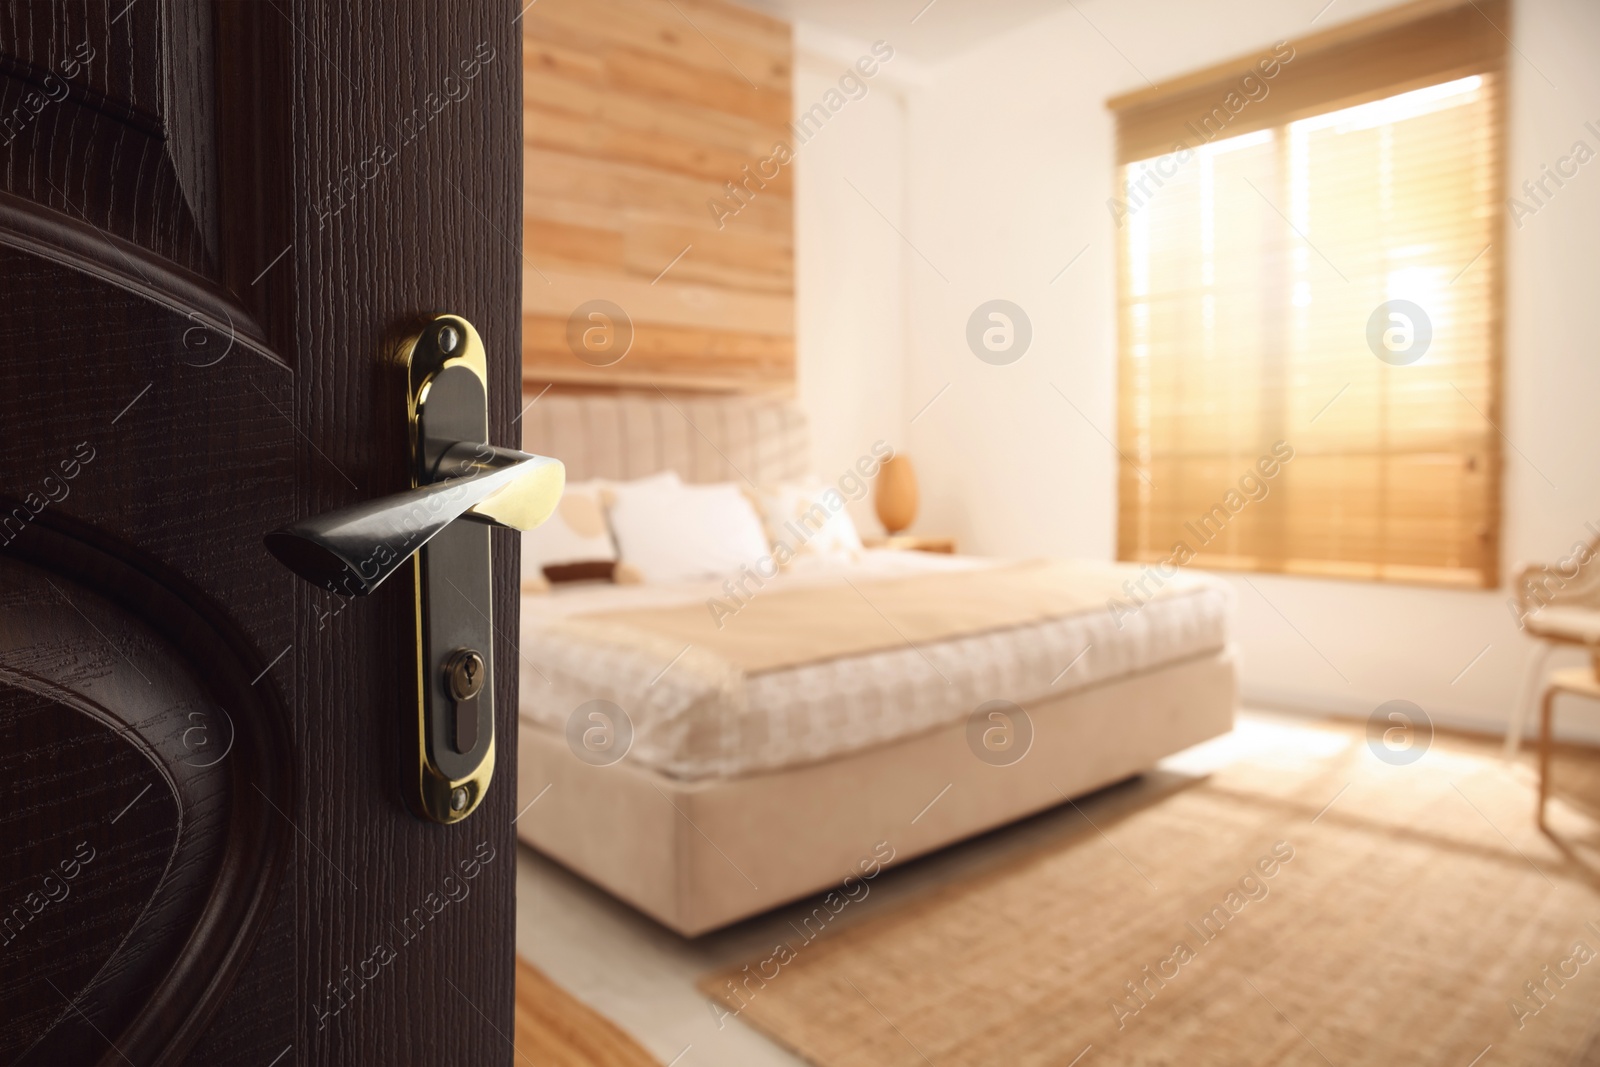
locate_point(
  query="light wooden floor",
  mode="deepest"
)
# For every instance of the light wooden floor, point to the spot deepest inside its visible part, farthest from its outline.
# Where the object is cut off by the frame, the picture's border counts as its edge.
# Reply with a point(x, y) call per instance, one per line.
point(554, 1028)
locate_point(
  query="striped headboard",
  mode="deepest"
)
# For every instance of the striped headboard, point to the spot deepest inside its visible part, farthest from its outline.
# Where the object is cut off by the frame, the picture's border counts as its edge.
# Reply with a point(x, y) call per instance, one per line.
point(703, 438)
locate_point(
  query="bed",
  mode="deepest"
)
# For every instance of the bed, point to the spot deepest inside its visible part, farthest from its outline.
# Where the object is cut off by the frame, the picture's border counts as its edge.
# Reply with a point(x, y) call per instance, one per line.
point(846, 712)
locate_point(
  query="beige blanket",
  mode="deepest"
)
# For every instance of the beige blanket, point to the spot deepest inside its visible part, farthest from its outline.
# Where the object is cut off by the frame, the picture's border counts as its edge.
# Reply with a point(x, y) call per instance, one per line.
point(781, 628)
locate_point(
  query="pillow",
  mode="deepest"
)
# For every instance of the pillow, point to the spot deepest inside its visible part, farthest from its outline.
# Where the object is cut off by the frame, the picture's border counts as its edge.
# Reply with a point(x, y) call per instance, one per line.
point(575, 543)
point(575, 533)
point(809, 517)
point(677, 532)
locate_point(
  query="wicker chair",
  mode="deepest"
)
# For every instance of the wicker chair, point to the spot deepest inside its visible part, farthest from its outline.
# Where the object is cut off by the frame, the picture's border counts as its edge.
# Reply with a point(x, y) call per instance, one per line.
point(1556, 604)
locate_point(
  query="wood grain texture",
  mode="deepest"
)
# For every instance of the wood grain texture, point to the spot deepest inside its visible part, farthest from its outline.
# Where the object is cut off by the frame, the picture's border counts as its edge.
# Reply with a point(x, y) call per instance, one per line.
point(144, 769)
point(402, 199)
point(143, 454)
point(87, 99)
point(212, 313)
point(555, 1029)
point(668, 355)
point(637, 116)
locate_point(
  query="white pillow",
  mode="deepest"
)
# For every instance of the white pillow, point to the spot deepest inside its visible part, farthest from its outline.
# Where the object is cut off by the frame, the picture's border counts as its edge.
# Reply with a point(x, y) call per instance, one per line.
point(675, 532)
point(810, 517)
point(575, 541)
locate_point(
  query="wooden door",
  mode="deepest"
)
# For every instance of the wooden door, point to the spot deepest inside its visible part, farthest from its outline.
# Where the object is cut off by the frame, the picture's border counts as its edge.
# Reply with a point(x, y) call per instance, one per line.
point(215, 220)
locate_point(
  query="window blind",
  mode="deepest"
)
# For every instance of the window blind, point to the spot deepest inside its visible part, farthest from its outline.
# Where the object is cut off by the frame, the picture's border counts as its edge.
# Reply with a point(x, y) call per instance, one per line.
point(1309, 310)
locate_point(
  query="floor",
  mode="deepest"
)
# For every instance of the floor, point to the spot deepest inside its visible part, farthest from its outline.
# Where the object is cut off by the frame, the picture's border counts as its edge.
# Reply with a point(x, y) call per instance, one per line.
point(642, 976)
point(553, 1029)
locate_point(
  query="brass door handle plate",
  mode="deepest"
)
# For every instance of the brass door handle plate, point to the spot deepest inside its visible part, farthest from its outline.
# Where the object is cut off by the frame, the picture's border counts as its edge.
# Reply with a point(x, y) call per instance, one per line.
point(455, 475)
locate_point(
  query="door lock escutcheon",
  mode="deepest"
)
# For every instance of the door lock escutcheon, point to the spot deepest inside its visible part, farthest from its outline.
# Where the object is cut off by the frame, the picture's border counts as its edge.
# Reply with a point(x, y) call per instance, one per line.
point(455, 474)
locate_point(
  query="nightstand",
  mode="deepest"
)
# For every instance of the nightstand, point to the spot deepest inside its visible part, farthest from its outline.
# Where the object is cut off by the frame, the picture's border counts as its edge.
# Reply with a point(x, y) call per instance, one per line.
point(913, 543)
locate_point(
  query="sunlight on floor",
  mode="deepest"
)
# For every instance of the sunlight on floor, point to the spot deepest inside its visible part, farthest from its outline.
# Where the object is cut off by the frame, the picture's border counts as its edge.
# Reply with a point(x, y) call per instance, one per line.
point(1257, 733)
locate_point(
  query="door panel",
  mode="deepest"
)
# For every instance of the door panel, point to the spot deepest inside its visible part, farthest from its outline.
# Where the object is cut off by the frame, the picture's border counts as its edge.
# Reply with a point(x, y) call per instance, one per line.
point(106, 110)
point(142, 807)
point(216, 220)
point(143, 457)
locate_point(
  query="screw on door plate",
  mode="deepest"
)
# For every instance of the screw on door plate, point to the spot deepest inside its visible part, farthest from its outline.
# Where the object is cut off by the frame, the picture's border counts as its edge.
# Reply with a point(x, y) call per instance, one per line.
point(464, 673)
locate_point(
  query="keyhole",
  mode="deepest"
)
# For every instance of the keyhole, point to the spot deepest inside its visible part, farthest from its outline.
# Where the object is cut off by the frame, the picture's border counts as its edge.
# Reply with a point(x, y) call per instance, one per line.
point(464, 673)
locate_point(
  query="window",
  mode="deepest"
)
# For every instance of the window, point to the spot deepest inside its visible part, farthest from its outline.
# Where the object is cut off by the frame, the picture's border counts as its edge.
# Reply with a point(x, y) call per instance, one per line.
point(1309, 306)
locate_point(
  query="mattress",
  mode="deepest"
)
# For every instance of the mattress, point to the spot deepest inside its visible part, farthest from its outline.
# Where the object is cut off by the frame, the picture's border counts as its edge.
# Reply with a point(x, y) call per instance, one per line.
point(684, 726)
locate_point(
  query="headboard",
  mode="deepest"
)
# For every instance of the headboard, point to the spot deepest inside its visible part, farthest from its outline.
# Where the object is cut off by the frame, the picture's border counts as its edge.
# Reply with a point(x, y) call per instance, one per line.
point(703, 438)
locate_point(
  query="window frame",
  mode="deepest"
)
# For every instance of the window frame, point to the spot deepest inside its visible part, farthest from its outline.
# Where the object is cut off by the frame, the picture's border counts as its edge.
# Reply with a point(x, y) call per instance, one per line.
point(1341, 68)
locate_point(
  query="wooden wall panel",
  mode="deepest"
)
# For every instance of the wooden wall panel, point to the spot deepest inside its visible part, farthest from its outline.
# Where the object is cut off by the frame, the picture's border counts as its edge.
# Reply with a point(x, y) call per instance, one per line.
point(636, 115)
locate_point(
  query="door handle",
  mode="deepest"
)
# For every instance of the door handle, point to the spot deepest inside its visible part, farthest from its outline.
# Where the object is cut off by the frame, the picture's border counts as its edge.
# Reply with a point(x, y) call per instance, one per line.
point(351, 551)
point(455, 474)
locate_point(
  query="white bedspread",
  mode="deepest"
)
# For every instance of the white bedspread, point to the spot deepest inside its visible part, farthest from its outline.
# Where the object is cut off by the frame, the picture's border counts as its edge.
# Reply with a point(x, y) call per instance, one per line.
point(688, 728)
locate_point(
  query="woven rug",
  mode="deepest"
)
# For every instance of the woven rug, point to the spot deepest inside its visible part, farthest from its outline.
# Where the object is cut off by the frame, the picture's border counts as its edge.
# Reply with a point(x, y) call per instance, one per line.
point(1309, 904)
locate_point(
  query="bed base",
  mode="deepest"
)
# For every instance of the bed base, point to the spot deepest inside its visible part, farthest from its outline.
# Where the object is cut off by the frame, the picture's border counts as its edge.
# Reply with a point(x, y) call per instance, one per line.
point(697, 856)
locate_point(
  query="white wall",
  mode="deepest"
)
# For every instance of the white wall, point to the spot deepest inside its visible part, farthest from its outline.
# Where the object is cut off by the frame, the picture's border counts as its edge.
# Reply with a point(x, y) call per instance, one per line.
point(1004, 173)
point(850, 286)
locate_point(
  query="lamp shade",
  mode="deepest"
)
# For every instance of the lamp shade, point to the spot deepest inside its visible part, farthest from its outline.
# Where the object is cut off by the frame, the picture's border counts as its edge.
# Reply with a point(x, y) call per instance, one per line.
point(896, 498)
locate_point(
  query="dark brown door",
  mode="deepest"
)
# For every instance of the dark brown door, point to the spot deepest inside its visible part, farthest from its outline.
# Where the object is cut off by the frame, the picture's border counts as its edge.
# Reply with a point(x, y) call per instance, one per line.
point(215, 220)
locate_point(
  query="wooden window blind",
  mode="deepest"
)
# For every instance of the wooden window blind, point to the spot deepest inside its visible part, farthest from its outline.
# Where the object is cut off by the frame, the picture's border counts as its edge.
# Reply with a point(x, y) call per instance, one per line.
point(1310, 301)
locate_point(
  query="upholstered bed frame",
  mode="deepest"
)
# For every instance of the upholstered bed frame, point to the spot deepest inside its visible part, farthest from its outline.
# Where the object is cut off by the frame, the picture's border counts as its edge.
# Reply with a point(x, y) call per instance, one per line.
point(700, 855)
